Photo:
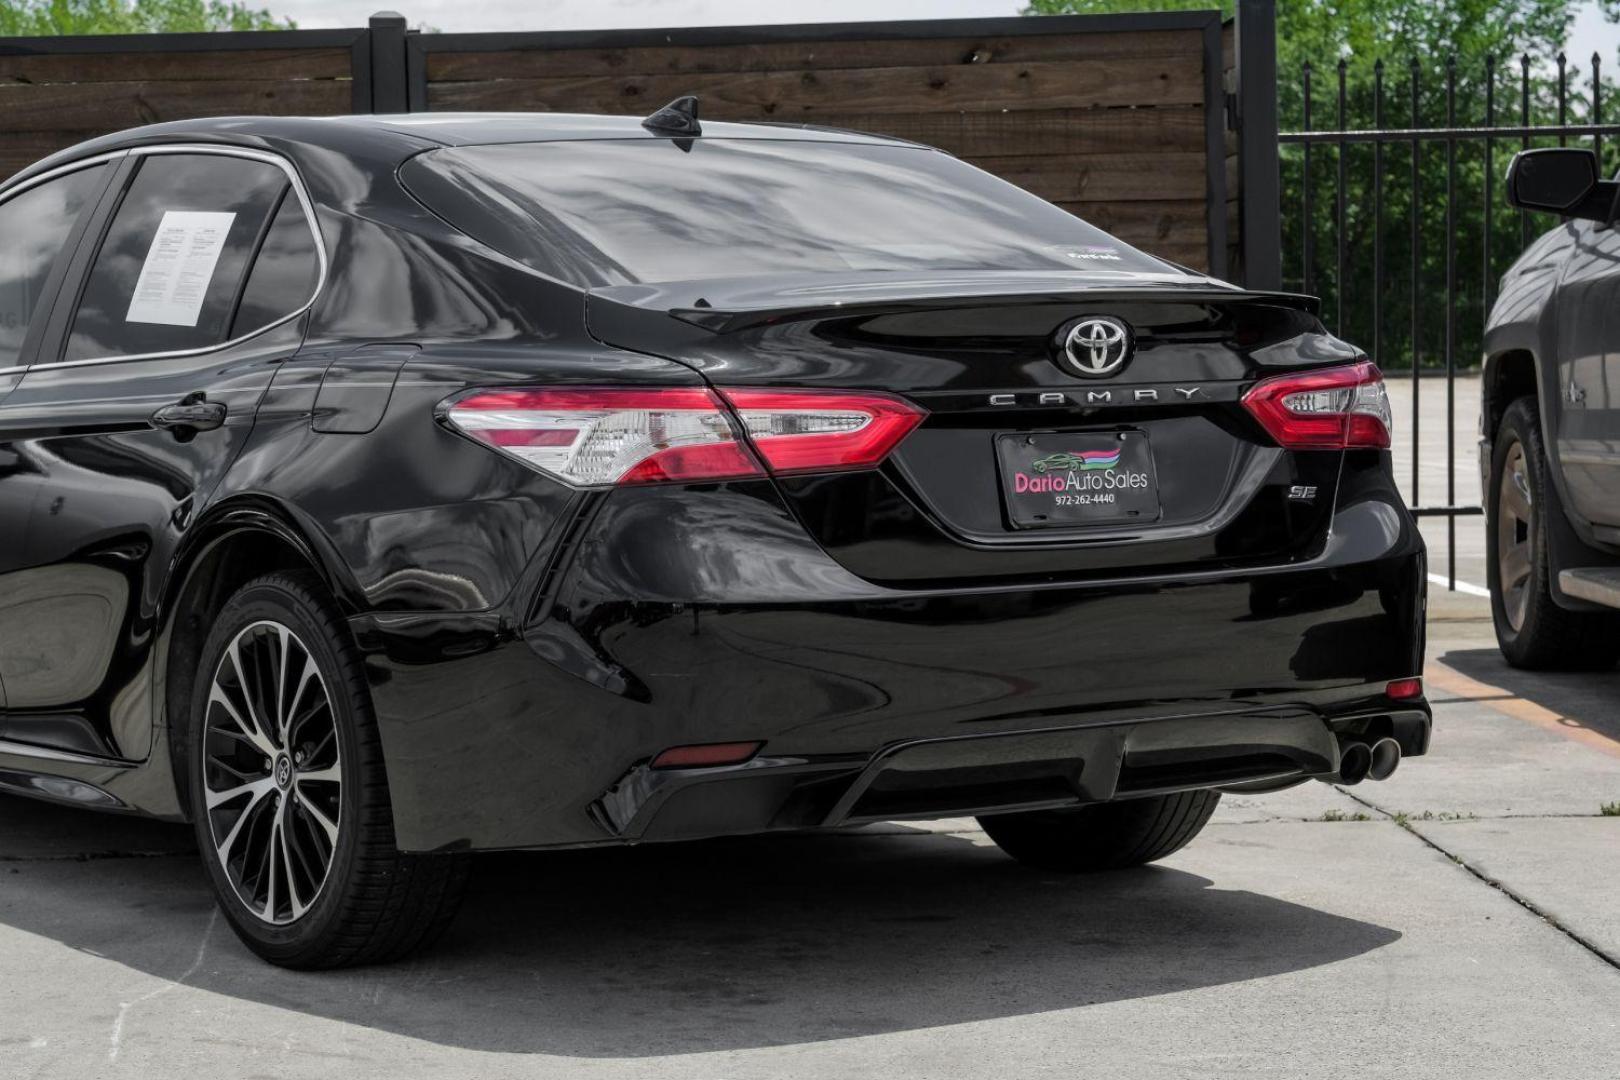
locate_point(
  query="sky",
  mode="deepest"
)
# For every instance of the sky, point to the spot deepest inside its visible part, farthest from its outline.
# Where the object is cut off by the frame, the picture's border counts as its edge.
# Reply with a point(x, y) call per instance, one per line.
point(618, 14)
point(1591, 32)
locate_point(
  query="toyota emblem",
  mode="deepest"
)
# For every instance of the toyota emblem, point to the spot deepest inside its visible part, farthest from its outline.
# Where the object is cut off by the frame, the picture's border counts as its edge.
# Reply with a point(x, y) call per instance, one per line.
point(1096, 346)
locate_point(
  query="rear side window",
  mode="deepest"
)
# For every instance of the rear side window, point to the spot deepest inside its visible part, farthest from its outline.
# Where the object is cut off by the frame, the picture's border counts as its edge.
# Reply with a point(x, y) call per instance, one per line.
point(169, 274)
point(284, 274)
point(33, 228)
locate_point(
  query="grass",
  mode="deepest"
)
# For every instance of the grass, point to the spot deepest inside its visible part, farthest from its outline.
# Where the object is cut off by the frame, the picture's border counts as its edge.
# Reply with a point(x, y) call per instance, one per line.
point(1404, 819)
point(1430, 815)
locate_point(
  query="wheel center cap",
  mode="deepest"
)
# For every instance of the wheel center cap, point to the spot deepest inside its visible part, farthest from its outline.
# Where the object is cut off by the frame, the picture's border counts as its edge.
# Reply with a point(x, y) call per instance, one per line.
point(283, 772)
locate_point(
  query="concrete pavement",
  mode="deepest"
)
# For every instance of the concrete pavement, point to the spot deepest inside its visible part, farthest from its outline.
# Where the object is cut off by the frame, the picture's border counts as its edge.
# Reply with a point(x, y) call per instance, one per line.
point(1456, 921)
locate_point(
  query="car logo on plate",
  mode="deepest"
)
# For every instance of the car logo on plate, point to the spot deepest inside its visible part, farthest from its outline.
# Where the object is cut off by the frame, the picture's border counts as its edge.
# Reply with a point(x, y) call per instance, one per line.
point(1086, 461)
point(1095, 347)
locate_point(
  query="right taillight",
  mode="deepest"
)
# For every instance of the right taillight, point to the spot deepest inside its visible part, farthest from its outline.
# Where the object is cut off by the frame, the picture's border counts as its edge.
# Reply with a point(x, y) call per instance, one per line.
point(1337, 408)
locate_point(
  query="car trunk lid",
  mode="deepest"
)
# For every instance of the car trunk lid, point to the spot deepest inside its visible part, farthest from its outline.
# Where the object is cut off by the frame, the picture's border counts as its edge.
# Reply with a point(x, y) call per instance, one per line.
point(1192, 479)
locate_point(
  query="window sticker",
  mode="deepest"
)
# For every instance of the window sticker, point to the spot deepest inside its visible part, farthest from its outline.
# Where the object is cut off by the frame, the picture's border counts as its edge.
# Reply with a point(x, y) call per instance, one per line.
point(179, 267)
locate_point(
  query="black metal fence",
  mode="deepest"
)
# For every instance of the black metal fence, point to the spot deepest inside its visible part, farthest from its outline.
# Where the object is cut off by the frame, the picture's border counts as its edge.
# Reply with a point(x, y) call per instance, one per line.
point(1394, 214)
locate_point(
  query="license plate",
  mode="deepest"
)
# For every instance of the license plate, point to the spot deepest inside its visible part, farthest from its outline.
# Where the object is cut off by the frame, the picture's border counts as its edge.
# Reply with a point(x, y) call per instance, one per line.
point(1051, 478)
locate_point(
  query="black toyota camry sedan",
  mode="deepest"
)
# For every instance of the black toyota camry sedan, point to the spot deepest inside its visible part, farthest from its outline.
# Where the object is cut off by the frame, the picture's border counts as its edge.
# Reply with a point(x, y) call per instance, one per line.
point(377, 490)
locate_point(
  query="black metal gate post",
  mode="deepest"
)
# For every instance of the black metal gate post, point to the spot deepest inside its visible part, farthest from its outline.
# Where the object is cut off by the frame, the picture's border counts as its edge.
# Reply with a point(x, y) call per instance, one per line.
point(1259, 168)
point(388, 93)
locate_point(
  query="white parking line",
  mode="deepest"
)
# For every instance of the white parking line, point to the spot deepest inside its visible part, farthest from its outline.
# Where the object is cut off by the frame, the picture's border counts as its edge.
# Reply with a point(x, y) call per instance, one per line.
point(1462, 586)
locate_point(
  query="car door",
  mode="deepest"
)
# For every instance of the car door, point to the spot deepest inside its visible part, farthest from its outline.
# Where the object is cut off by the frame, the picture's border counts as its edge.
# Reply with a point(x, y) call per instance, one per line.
point(40, 223)
point(1584, 420)
point(143, 391)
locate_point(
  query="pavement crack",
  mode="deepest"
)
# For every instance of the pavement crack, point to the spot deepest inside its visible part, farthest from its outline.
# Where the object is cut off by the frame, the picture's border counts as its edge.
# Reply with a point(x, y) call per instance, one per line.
point(1479, 875)
point(117, 1036)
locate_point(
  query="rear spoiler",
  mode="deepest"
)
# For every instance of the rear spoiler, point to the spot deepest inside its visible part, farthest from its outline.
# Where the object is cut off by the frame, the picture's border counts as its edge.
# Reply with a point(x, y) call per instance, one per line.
point(738, 306)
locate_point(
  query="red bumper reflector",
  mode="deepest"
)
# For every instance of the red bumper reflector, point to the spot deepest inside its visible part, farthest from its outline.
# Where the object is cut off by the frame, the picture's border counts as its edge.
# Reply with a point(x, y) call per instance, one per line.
point(706, 756)
point(1404, 689)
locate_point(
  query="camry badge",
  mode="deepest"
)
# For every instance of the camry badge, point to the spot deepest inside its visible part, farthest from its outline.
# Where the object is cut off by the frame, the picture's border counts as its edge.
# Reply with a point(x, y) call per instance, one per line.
point(1095, 347)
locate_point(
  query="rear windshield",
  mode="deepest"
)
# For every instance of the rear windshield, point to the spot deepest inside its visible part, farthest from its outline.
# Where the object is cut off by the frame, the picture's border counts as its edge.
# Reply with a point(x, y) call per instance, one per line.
point(614, 212)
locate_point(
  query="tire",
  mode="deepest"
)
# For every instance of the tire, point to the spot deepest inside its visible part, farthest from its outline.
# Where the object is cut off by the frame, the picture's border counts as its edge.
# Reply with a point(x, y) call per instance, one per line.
point(1532, 631)
point(332, 890)
point(1103, 836)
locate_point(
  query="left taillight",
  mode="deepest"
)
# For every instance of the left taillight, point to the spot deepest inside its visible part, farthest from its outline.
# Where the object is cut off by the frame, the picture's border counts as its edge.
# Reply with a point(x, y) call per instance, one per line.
point(1338, 408)
point(597, 436)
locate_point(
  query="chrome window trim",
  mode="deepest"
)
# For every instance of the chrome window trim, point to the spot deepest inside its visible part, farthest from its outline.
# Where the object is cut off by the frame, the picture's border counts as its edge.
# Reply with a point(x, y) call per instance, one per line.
point(61, 170)
point(304, 200)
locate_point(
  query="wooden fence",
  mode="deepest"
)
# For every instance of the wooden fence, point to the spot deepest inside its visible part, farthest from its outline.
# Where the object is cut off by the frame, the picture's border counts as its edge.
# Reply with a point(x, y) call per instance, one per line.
point(1122, 119)
point(1109, 117)
point(55, 92)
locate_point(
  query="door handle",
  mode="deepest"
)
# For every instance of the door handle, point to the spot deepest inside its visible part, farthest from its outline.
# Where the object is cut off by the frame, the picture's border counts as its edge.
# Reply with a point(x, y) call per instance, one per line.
point(192, 412)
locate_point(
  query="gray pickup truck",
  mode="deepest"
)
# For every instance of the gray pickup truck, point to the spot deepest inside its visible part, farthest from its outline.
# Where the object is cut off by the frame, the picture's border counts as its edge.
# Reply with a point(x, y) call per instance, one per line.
point(1550, 422)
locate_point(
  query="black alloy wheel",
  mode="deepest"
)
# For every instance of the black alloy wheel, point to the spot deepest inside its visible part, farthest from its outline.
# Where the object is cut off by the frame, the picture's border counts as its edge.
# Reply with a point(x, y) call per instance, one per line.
point(290, 794)
point(272, 772)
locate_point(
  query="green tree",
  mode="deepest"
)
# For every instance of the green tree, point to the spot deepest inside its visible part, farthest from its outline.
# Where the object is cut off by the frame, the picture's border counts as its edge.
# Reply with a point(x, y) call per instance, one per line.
point(1475, 45)
point(43, 18)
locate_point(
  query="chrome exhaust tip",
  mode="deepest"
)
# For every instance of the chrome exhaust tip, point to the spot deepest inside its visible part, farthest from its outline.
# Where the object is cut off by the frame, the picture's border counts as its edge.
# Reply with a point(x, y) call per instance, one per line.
point(1355, 761)
point(1385, 759)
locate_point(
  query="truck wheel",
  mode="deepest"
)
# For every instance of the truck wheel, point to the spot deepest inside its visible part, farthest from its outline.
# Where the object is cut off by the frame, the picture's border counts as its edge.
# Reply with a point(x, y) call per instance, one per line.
point(1103, 836)
point(290, 800)
point(1531, 629)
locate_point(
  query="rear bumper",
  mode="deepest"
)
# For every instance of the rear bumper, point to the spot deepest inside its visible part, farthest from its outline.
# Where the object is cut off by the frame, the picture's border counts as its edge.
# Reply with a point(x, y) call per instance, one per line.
point(719, 620)
point(976, 774)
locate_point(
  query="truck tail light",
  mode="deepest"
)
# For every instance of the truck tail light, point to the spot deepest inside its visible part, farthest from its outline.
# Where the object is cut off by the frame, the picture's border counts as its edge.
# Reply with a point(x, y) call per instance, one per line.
point(598, 436)
point(1337, 408)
